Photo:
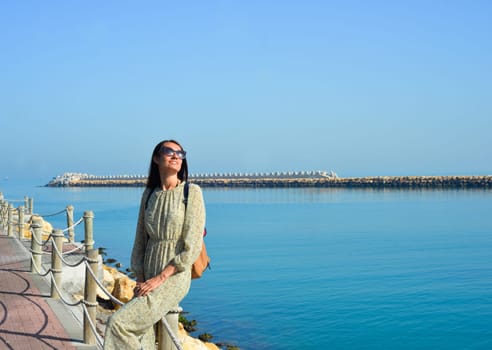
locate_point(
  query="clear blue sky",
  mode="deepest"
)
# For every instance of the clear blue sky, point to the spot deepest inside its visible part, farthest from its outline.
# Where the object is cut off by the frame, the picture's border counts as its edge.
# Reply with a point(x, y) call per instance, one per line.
point(363, 88)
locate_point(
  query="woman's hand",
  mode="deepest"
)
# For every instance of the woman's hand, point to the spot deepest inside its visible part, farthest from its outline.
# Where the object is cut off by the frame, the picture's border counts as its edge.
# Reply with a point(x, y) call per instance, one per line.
point(144, 288)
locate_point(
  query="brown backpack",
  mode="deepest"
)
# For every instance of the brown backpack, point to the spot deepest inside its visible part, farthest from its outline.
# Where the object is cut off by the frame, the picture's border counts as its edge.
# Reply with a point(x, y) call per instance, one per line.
point(203, 260)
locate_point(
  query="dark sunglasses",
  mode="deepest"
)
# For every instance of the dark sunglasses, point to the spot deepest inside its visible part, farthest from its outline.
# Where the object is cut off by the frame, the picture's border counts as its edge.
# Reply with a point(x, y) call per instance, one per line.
point(167, 151)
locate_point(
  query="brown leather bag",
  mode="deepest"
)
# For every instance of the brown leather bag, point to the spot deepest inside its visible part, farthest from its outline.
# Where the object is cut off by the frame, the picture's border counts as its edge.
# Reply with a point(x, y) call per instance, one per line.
point(203, 260)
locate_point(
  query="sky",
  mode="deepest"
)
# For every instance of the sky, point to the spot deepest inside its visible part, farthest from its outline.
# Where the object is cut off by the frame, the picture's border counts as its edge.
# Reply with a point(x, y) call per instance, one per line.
point(363, 88)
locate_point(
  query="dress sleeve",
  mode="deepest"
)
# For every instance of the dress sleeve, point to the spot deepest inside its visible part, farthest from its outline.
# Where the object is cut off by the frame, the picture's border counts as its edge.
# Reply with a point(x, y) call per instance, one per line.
point(140, 242)
point(193, 227)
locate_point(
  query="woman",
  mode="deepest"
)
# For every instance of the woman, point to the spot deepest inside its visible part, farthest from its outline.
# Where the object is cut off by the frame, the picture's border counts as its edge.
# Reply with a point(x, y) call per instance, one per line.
point(167, 242)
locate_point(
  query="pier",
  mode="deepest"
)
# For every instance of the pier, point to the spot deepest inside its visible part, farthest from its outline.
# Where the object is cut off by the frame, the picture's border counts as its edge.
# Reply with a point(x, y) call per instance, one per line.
point(321, 179)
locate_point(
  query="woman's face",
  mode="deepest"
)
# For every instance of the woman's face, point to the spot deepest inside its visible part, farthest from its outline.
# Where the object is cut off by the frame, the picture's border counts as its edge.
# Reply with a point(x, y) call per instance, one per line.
point(170, 157)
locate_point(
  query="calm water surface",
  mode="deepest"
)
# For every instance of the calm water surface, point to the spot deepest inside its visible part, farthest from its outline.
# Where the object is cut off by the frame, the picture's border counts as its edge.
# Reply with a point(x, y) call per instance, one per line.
point(322, 268)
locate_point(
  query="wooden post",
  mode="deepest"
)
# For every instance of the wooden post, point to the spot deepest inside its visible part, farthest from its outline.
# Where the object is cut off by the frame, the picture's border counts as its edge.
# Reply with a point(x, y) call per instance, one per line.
point(164, 340)
point(71, 231)
point(88, 229)
point(90, 295)
point(10, 219)
point(31, 205)
point(37, 225)
point(21, 221)
point(3, 217)
point(26, 204)
point(56, 262)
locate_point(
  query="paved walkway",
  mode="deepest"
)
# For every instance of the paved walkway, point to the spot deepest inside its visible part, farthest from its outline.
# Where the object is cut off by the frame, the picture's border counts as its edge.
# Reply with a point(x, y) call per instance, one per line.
point(29, 318)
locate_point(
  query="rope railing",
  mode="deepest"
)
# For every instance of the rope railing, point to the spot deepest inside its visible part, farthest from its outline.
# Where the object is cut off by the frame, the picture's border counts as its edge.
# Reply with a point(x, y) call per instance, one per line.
point(103, 289)
point(77, 303)
point(89, 302)
point(99, 339)
point(58, 260)
point(53, 214)
point(39, 242)
point(69, 252)
point(37, 269)
point(65, 262)
point(73, 226)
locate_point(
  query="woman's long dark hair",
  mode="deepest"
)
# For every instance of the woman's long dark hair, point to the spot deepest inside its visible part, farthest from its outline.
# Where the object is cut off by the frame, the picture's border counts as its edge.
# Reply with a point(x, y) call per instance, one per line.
point(154, 180)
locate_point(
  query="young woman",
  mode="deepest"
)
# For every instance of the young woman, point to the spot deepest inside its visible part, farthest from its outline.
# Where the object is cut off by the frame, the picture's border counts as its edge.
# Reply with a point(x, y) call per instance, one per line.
point(168, 240)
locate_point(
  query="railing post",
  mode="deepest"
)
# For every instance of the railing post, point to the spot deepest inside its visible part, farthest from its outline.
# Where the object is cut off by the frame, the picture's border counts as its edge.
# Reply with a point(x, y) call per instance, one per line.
point(56, 262)
point(164, 339)
point(90, 295)
point(3, 218)
point(26, 204)
point(21, 221)
point(37, 225)
point(31, 205)
point(10, 219)
point(71, 231)
point(88, 230)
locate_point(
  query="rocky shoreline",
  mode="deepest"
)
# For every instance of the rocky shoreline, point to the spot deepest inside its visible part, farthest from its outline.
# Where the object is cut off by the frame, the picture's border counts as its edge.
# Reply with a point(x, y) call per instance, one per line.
point(376, 182)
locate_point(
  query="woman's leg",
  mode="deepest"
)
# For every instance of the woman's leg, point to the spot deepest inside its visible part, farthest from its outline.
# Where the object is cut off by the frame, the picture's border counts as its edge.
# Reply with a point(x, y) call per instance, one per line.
point(128, 326)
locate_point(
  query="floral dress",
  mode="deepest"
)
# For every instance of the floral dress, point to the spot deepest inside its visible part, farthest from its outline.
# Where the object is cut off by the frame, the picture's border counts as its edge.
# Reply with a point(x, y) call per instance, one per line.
point(167, 233)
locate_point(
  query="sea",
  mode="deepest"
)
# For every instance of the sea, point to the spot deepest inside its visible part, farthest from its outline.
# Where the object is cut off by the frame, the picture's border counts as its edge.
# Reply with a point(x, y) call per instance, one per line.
point(319, 268)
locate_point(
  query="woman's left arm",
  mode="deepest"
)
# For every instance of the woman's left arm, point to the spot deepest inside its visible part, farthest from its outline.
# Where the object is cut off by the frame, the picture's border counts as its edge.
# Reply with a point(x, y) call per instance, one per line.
point(193, 227)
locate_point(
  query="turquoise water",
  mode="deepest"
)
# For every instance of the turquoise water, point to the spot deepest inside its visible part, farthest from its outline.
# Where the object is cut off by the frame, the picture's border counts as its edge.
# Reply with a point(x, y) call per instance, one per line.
point(324, 268)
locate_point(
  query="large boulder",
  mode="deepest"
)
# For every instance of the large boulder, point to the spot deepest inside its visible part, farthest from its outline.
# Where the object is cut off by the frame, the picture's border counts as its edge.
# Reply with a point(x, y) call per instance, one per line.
point(123, 290)
point(46, 228)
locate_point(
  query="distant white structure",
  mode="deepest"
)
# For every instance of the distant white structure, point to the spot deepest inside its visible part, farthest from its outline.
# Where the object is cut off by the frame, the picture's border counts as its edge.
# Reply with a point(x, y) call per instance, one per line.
point(67, 178)
point(271, 175)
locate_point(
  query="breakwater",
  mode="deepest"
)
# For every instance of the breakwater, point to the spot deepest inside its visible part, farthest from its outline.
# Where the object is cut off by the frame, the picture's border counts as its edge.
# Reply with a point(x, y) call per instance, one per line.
point(362, 182)
point(296, 180)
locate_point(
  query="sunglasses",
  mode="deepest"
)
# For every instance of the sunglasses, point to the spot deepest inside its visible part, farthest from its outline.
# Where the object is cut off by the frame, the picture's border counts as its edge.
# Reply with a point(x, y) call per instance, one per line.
point(167, 151)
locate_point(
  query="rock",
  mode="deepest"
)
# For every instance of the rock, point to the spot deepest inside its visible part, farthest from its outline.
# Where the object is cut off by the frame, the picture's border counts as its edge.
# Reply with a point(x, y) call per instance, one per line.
point(211, 346)
point(109, 277)
point(190, 343)
point(46, 228)
point(108, 283)
point(123, 290)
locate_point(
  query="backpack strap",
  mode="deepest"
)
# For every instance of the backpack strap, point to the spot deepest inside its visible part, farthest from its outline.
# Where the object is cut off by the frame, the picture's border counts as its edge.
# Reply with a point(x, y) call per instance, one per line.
point(186, 190)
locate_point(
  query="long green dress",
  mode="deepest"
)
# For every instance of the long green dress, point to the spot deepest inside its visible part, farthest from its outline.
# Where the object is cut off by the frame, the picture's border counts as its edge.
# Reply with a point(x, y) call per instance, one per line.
point(167, 233)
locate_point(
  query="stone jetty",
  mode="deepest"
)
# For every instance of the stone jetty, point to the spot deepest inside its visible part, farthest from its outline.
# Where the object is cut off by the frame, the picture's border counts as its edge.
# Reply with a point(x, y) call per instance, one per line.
point(403, 182)
point(286, 179)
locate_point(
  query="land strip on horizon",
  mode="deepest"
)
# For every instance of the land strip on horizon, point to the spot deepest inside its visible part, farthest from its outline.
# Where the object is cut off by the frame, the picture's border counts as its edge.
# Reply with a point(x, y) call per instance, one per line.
point(352, 182)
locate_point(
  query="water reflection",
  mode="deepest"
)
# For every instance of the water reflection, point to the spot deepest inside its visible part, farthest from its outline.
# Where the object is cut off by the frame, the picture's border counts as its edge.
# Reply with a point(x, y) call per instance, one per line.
point(331, 195)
